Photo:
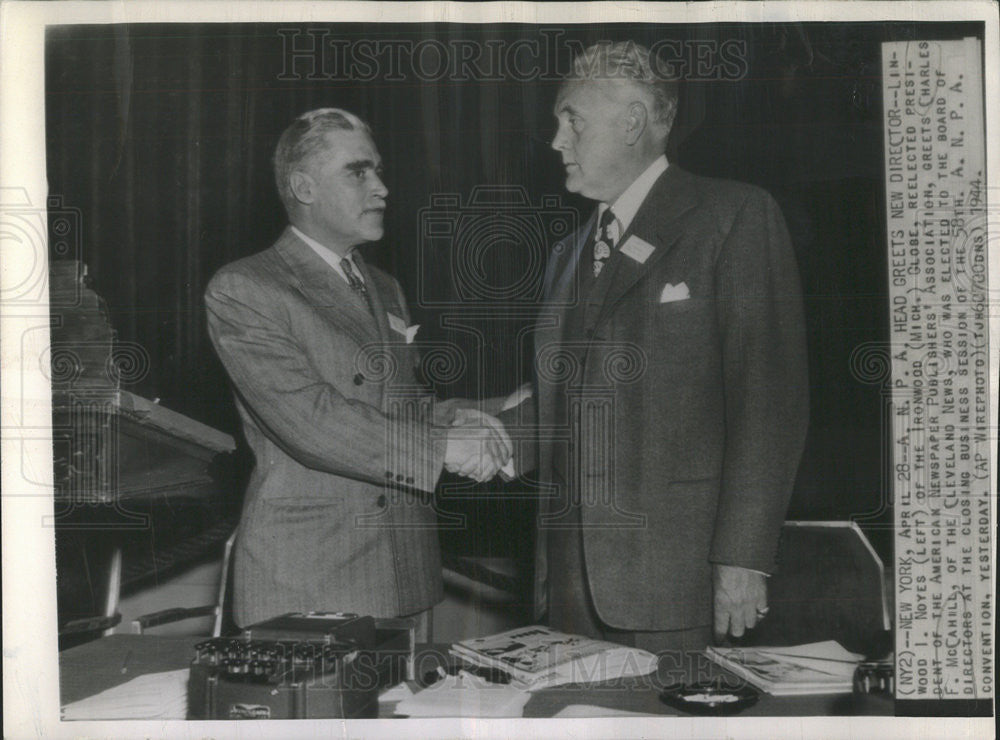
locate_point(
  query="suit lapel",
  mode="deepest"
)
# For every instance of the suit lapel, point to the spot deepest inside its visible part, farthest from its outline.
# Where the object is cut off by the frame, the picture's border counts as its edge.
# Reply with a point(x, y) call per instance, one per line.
point(670, 198)
point(377, 289)
point(561, 293)
point(326, 291)
point(561, 275)
point(562, 283)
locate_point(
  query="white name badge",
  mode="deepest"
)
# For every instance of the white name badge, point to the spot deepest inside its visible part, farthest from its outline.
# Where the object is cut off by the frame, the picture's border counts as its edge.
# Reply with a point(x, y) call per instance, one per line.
point(638, 249)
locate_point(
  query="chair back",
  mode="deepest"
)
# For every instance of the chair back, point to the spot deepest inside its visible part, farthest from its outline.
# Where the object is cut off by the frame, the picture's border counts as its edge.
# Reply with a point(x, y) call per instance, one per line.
point(224, 623)
point(221, 611)
point(829, 585)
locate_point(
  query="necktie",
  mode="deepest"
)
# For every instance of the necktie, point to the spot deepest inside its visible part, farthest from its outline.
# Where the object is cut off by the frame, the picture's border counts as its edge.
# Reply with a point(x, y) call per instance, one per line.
point(605, 243)
point(356, 283)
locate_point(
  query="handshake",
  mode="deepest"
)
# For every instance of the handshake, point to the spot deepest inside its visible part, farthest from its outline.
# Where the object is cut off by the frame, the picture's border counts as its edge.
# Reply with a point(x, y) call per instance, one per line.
point(478, 444)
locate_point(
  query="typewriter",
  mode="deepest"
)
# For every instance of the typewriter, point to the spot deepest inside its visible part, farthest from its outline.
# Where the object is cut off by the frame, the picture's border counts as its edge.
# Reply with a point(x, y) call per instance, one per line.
point(301, 666)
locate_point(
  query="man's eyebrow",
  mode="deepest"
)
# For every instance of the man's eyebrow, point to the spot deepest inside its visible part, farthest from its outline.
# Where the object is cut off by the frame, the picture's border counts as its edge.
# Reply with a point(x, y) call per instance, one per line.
point(568, 109)
point(361, 164)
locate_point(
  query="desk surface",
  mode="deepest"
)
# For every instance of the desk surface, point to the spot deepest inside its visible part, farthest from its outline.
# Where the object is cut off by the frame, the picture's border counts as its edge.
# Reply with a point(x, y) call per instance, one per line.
point(88, 669)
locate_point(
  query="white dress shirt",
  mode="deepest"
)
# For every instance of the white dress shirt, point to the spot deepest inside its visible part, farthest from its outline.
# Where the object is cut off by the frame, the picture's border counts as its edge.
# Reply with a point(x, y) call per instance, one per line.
point(627, 204)
point(329, 256)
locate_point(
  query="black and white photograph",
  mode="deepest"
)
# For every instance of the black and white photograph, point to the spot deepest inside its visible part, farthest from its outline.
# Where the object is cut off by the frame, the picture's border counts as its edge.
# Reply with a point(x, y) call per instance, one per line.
point(449, 369)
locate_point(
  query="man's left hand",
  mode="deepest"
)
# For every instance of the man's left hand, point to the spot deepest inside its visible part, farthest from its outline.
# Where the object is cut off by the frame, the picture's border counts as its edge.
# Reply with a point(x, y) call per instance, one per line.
point(519, 396)
point(740, 599)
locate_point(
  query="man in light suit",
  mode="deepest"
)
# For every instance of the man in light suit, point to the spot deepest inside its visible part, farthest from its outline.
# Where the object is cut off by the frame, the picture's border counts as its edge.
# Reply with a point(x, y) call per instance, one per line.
point(672, 347)
point(348, 445)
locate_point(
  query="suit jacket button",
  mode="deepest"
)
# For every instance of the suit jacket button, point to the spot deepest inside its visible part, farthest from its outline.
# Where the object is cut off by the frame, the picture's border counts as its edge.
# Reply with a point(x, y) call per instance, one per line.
point(399, 477)
point(359, 379)
point(409, 479)
point(388, 474)
point(380, 503)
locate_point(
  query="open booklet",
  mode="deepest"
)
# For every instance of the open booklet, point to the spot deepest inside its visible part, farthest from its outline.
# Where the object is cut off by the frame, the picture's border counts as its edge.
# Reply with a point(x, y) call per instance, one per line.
point(816, 668)
point(537, 657)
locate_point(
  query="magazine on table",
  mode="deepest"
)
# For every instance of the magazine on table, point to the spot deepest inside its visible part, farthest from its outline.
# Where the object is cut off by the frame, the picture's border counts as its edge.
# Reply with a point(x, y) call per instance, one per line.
point(537, 657)
point(816, 668)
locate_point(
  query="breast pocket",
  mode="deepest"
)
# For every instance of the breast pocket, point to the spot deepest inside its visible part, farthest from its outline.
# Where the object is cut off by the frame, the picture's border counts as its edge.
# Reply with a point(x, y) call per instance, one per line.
point(678, 293)
point(676, 307)
point(680, 333)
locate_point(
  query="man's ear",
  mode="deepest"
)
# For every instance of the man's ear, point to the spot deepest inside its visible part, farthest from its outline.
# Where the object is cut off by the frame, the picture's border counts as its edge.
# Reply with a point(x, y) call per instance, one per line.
point(636, 121)
point(303, 187)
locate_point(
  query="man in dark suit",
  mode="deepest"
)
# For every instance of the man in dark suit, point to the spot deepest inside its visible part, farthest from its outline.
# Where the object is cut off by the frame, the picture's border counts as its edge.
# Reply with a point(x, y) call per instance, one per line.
point(348, 446)
point(672, 348)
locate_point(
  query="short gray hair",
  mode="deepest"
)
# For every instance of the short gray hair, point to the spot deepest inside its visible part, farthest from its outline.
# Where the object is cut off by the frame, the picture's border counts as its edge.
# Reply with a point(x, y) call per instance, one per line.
point(628, 60)
point(304, 139)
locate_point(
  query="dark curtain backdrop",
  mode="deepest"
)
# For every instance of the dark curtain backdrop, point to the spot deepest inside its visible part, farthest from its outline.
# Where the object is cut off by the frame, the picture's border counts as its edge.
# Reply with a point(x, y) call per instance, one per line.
point(161, 135)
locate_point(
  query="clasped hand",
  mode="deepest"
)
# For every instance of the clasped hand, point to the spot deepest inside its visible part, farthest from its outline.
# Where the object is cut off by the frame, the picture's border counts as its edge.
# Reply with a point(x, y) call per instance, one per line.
point(478, 445)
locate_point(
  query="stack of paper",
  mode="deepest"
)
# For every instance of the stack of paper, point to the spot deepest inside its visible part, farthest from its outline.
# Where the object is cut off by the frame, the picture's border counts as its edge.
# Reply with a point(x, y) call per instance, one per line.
point(816, 668)
point(152, 696)
point(464, 695)
point(395, 693)
point(537, 657)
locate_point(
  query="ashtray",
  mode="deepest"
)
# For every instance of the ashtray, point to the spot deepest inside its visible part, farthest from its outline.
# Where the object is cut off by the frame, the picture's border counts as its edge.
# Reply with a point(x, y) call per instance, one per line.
point(709, 698)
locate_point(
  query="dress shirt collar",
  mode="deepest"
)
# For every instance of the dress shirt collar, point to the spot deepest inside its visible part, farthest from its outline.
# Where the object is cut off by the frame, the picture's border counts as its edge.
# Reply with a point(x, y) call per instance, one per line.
point(329, 256)
point(627, 204)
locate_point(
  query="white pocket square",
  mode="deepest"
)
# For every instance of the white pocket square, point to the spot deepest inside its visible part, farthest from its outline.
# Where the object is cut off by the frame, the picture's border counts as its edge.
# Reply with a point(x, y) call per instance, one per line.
point(398, 325)
point(672, 293)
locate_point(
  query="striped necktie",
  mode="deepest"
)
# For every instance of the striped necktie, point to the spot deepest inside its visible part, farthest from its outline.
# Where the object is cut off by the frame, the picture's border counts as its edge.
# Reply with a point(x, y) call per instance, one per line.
point(604, 244)
point(356, 283)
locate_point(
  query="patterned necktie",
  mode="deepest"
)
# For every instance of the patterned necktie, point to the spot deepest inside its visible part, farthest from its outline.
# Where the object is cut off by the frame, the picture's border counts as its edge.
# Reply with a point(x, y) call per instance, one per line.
point(605, 242)
point(356, 283)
